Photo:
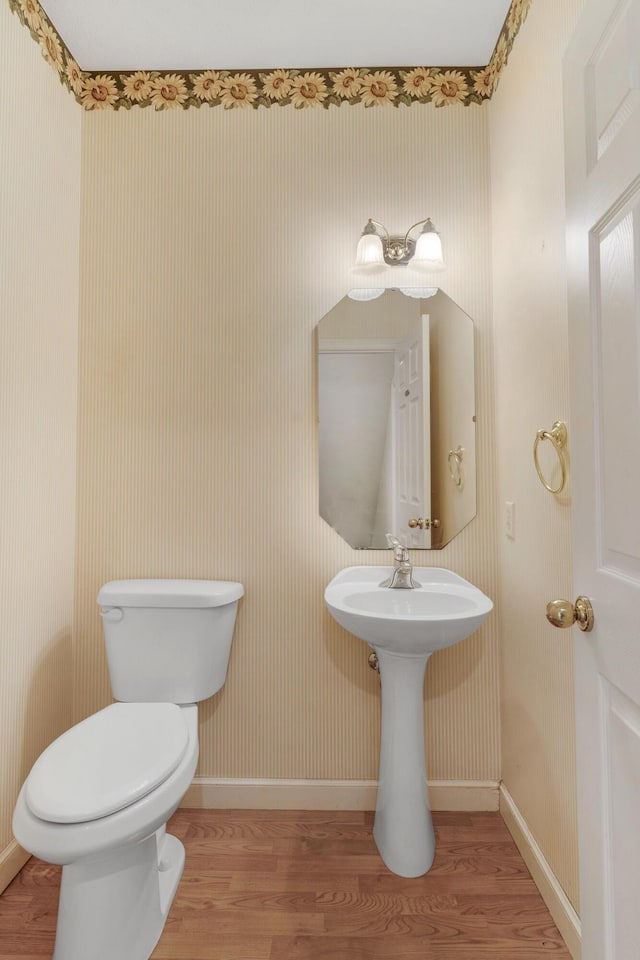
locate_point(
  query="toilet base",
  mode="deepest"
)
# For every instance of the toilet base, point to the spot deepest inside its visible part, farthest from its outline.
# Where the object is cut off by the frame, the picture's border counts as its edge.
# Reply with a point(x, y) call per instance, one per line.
point(116, 904)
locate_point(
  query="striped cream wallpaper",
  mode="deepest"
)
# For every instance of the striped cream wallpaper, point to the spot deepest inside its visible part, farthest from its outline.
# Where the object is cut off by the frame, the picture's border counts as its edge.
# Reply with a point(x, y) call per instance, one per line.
point(529, 285)
point(40, 213)
point(212, 242)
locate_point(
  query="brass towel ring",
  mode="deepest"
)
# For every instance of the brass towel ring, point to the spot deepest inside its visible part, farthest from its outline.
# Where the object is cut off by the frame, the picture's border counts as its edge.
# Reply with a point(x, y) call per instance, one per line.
point(558, 437)
point(455, 465)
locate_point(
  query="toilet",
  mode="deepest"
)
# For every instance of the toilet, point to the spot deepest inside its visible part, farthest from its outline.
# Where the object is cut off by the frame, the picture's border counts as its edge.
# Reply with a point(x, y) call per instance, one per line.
point(98, 799)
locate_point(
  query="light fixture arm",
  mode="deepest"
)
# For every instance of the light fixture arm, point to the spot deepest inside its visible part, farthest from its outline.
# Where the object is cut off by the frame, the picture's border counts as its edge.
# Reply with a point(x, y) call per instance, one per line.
point(370, 228)
point(426, 222)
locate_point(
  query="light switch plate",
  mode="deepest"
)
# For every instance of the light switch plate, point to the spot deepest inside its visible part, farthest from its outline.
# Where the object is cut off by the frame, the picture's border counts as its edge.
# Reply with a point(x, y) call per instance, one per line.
point(510, 519)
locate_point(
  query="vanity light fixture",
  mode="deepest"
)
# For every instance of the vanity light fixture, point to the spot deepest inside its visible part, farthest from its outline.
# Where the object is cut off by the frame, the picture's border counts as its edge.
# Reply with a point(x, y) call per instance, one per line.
point(377, 249)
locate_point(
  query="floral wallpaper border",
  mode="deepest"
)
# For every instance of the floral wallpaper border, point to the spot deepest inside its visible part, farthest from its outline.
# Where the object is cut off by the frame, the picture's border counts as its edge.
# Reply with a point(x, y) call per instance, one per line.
point(302, 89)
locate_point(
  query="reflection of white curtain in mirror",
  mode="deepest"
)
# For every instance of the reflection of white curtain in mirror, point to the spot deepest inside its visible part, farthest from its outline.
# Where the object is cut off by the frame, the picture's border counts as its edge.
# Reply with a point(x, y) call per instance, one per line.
point(354, 414)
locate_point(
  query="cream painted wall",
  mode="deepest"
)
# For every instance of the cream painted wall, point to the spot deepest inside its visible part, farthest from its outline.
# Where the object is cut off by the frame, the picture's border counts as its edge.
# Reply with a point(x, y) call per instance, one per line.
point(529, 286)
point(39, 257)
point(212, 243)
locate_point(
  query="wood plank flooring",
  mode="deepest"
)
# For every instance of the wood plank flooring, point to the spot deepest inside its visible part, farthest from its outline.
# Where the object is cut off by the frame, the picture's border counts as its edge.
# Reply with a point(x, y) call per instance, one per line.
point(300, 885)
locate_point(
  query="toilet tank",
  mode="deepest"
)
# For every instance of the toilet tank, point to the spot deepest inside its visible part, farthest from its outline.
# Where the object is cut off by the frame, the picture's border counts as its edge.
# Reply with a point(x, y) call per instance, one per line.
point(168, 640)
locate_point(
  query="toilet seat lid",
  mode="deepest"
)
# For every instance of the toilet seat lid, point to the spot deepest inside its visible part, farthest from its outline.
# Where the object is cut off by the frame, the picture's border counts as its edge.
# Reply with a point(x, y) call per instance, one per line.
point(107, 762)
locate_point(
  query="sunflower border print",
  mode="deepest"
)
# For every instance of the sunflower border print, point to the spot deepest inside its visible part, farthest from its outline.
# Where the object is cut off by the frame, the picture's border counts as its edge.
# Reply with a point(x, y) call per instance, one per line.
point(241, 89)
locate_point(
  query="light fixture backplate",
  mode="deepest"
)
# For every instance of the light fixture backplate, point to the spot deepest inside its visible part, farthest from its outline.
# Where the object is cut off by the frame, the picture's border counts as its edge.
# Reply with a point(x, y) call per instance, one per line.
point(397, 251)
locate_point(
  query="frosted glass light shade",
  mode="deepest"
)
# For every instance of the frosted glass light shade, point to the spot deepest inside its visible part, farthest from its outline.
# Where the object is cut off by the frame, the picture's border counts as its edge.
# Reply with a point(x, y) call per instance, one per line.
point(366, 293)
point(369, 256)
point(428, 252)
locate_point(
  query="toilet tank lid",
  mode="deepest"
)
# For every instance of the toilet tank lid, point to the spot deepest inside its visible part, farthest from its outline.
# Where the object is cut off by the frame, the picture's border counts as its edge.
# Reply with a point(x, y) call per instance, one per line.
point(169, 593)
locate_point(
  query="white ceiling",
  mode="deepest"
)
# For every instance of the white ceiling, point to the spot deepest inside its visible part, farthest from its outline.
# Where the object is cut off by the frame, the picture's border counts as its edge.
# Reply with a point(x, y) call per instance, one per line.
point(256, 34)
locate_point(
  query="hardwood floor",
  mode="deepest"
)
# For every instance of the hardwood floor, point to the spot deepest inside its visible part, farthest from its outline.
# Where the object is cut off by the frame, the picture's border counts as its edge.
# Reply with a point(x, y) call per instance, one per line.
point(300, 885)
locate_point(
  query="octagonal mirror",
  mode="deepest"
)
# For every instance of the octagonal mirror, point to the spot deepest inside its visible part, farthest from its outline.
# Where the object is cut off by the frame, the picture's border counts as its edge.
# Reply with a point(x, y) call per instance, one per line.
point(396, 403)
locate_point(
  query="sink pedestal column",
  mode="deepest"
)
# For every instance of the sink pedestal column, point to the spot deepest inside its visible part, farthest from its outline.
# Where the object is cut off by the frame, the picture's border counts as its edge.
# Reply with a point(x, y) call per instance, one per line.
point(403, 829)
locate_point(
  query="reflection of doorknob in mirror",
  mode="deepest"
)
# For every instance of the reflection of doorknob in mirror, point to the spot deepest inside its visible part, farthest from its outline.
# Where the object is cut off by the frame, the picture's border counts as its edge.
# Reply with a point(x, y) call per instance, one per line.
point(424, 524)
point(562, 613)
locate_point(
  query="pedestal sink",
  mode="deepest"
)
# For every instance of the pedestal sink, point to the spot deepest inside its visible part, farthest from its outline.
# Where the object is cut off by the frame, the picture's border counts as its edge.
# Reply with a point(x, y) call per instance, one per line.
point(405, 627)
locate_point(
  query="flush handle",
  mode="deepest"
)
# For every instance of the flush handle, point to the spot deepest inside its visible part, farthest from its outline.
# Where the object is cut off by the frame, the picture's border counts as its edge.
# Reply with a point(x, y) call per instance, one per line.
point(562, 613)
point(111, 614)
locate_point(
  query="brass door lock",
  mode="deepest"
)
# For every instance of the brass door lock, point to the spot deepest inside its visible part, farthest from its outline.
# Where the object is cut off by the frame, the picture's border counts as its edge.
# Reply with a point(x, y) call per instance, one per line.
point(424, 524)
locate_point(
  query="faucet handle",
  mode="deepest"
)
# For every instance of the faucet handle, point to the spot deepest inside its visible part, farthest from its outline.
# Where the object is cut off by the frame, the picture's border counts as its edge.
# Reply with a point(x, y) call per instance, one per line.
point(400, 550)
point(394, 541)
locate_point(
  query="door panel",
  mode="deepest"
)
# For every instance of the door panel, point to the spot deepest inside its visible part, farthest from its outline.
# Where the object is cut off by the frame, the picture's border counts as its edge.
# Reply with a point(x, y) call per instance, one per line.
point(622, 866)
point(617, 393)
point(413, 417)
point(615, 76)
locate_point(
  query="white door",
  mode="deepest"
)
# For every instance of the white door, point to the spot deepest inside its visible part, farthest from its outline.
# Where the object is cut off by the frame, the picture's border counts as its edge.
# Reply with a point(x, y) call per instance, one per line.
point(413, 436)
point(602, 123)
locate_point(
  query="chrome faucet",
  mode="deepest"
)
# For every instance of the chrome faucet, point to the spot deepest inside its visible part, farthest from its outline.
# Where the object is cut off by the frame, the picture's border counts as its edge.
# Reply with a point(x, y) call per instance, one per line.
point(402, 575)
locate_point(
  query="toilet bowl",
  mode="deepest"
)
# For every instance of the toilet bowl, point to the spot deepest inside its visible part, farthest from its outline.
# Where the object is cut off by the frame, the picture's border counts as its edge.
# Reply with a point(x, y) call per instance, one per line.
point(66, 842)
point(122, 865)
point(98, 799)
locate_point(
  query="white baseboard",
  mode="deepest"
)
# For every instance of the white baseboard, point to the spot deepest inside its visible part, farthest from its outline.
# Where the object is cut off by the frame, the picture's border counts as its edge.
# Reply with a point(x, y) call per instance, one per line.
point(565, 917)
point(471, 796)
point(12, 860)
point(217, 794)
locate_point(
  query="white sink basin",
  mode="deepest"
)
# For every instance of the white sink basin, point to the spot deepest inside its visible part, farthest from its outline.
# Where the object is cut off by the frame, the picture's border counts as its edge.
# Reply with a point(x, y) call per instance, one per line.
point(443, 610)
point(405, 627)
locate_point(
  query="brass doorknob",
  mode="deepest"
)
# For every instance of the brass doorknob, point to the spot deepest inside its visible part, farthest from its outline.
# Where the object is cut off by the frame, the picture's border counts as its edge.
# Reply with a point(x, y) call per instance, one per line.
point(423, 524)
point(562, 613)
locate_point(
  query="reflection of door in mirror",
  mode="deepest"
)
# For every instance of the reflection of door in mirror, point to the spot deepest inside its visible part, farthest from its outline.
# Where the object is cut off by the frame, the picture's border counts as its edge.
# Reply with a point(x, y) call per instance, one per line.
point(412, 428)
